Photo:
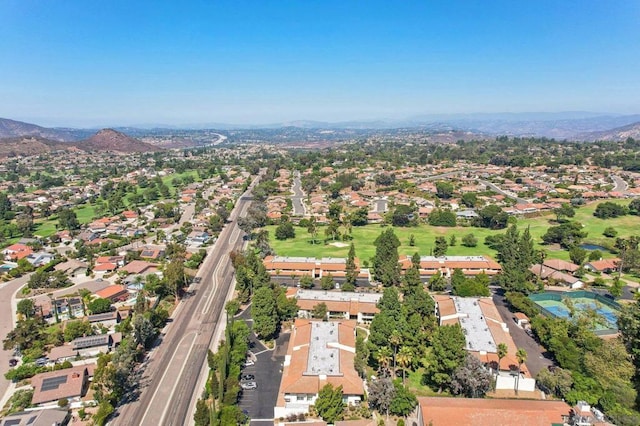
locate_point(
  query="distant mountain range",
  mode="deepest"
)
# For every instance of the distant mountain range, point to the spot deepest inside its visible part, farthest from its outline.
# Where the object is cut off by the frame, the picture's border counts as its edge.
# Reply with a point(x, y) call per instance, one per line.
point(583, 126)
point(617, 134)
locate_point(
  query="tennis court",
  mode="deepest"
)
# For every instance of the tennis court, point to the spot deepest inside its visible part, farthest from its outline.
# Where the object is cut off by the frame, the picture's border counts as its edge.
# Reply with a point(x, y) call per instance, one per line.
point(582, 301)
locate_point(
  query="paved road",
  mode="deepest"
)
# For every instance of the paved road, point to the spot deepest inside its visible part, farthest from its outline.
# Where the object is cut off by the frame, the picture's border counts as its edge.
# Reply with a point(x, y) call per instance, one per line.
point(380, 206)
point(267, 370)
point(7, 322)
point(537, 356)
point(503, 192)
point(620, 185)
point(297, 199)
point(170, 377)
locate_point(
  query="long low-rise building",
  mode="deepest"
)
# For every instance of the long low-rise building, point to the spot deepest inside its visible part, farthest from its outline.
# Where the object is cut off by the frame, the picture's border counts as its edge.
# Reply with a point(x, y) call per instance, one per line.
point(319, 353)
point(315, 268)
point(340, 304)
point(469, 265)
point(437, 411)
point(484, 330)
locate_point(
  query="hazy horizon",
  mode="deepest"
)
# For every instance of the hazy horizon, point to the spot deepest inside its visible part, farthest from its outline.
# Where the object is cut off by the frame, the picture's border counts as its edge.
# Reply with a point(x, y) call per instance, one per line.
point(121, 63)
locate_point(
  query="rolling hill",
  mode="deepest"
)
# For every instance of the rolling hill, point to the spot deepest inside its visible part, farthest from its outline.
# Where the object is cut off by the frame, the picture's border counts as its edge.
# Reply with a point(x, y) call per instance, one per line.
point(111, 140)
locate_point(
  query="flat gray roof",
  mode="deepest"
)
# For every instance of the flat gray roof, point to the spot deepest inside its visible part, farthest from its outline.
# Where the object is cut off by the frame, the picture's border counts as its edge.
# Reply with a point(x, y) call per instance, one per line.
point(323, 360)
point(478, 337)
point(337, 296)
point(453, 258)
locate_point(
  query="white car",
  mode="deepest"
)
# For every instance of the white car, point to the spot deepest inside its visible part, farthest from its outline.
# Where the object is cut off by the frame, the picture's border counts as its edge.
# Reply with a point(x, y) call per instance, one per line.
point(249, 363)
point(248, 385)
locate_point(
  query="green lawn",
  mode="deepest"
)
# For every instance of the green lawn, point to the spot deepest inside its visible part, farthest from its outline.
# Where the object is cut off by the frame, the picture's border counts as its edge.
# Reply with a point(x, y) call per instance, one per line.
point(85, 213)
point(364, 236)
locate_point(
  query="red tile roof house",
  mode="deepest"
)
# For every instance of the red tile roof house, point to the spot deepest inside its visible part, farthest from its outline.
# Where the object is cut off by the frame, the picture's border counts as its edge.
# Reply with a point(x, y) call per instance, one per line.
point(16, 252)
point(70, 383)
point(114, 293)
point(604, 265)
point(319, 352)
point(436, 411)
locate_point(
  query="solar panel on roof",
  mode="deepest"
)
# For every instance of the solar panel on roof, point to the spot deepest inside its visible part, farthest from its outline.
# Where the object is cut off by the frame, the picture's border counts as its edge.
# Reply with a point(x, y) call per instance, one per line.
point(12, 422)
point(32, 419)
point(147, 253)
point(53, 383)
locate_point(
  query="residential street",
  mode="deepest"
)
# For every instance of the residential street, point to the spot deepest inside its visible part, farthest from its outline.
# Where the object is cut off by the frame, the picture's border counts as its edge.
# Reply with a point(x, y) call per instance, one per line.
point(536, 359)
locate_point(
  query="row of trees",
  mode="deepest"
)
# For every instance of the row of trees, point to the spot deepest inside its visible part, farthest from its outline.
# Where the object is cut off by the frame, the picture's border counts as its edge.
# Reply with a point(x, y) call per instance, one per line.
point(218, 405)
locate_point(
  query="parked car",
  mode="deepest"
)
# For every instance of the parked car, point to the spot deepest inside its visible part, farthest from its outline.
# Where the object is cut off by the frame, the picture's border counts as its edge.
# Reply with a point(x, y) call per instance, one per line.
point(249, 363)
point(41, 362)
point(13, 362)
point(248, 385)
point(247, 377)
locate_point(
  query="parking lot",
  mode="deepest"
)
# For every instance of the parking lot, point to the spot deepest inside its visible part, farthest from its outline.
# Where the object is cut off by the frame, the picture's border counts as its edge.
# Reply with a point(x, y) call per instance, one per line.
point(267, 368)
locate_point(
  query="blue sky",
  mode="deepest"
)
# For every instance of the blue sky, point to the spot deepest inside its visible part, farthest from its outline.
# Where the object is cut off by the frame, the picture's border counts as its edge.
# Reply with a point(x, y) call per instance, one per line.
point(138, 62)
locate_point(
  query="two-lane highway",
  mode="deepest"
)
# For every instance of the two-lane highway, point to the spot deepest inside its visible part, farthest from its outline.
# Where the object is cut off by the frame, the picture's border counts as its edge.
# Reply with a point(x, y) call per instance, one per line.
point(173, 368)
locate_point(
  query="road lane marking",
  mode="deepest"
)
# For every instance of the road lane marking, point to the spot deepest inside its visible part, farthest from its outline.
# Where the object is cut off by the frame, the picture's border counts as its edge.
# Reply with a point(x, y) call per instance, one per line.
point(164, 375)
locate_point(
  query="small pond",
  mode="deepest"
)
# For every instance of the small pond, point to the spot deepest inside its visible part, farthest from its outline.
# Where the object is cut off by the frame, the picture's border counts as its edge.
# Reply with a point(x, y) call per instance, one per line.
point(593, 247)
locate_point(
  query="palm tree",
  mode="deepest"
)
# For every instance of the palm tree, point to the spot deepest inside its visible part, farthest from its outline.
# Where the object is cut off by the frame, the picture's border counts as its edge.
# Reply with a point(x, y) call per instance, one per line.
point(383, 356)
point(395, 339)
point(405, 356)
point(502, 352)
point(521, 356)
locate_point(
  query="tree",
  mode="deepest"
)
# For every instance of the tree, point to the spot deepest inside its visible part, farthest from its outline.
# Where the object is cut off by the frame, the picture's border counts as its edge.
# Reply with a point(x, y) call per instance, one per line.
point(565, 210)
point(503, 350)
point(78, 328)
point(384, 356)
point(386, 268)
point(265, 318)
point(439, 217)
point(174, 276)
point(68, 219)
point(403, 215)
point(453, 240)
point(403, 401)
point(326, 282)
point(634, 207)
point(306, 282)
point(202, 416)
point(441, 246)
point(362, 356)
point(312, 228)
point(577, 254)
point(285, 230)
point(469, 199)
point(447, 354)
point(437, 282)
point(469, 240)
point(404, 358)
point(381, 394)
point(492, 217)
point(329, 404)
point(471, 379)
point(319, 311)
point(26, 308)
point(610, 232)
point(444, 189)
point(516, 254)
point(143, 331)
point(609, 210)
point(351, 271)
point(99, 306)
point(521, 356)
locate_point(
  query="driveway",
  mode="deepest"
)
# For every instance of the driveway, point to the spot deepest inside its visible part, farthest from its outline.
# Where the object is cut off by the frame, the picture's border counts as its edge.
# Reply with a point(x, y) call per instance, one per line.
point(267, 369)
point(537, 356)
